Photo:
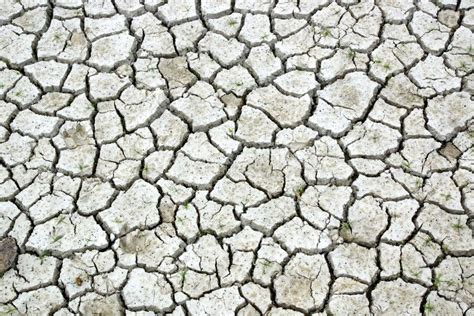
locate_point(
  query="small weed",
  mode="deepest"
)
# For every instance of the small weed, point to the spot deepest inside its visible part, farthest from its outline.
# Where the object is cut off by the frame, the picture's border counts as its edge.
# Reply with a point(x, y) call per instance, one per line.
point(416, 274)
point(137, 151)
point(239, 84)
point(56, 238)
point(428, 241)
point(458, 226)
point(428, 307)
point(232, 23)
point(386, 66)
point(451, 283)
point(61, 219)
point(463, 66)
point(82, 167)
point(406, 165)
point(351, 54)
point(145, 169)
point(186, 205)
point(419, 183)
point(43, 255)
point(345, 226)
point(346, 231)
point(141, 234)
point(299, 192)
point(470, 51)
point(265, 264)
point(375, 138)
point(182, 273)
point(18, 93)
point(437, 281)
point(9, 311)
point(325, 32)
point(447, 196)
point(445, 248)
point(117, 220)
point(377, 61)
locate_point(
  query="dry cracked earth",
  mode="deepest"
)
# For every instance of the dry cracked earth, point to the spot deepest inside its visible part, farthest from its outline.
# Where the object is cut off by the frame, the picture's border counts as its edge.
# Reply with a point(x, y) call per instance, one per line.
point(236, 157)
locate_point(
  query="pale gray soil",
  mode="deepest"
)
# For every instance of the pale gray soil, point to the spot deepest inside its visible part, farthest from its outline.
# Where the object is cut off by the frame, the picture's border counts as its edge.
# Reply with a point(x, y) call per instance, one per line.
point(236, 157)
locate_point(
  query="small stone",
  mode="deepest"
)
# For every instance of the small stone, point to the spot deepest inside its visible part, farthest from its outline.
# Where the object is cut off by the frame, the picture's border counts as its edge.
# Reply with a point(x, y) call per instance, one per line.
point(8, 254)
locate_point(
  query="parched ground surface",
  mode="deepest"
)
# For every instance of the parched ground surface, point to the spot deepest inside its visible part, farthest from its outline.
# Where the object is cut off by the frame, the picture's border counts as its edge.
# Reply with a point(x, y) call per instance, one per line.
point(236, 157)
